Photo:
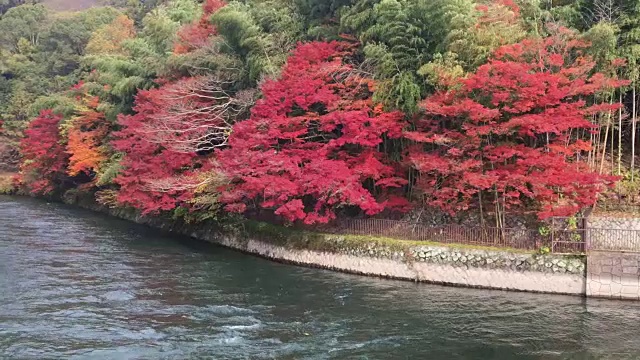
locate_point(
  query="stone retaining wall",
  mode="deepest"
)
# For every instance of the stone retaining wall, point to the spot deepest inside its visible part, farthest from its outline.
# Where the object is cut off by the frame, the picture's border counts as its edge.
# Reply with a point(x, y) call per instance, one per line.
point(606, 222)
point(459, 266)
point(503, 260)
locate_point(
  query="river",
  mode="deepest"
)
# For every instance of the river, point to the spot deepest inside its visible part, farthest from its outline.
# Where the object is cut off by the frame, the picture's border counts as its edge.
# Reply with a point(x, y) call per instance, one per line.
point(80, 285)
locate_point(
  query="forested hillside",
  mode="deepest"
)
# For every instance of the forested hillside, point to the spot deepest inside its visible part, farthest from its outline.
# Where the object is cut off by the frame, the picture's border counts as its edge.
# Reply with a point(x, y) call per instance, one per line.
point(70, 5)
point(317, 109)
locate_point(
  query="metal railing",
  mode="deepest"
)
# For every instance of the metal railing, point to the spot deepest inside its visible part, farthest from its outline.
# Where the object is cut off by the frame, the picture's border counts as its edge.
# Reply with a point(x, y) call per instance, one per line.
point(613, 239)
point(559, 237)
point(557, 241)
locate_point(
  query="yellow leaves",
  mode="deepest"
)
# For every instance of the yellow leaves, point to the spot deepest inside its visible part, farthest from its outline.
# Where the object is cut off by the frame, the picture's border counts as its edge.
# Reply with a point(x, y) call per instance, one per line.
point(107, 197)
point(108, 39)
point(444, 71)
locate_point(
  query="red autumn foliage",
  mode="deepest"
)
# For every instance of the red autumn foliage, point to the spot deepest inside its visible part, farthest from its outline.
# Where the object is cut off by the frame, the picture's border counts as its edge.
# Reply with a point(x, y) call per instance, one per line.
point(149, 166)
point(312, 141)
point(191, 37)
point(193, 114)
point(44, 158)
point(86, 139)
point(174, 123)
point(487, 16)
point(196, 35)
point(508, 136)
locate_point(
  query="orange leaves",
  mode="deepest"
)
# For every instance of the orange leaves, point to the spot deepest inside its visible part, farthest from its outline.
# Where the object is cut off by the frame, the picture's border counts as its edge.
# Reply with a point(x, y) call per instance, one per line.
point(196, 35)
point(85, 152)
point(191, 37)
point(505, 11)
point(86, 137)
point(211, 6)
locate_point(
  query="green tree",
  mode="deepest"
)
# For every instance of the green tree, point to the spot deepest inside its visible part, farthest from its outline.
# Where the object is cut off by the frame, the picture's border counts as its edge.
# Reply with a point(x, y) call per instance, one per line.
point(629, 47)
point(260, 37)
point(17, 112)
point(140, 59)
point(64, 41)
point(24, 21)
point(401, 36)
point(321, 18)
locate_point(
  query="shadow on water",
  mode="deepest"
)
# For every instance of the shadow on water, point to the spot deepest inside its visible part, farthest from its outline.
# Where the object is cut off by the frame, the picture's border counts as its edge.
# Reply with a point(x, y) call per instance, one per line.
point(75, 284)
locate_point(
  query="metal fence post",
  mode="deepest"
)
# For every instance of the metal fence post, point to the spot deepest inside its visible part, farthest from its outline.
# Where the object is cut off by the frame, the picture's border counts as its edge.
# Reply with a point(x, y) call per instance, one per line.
point(553, 232)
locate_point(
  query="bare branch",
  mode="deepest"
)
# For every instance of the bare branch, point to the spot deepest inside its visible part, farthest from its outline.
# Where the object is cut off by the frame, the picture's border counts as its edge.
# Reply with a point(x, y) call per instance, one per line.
point(197, 114)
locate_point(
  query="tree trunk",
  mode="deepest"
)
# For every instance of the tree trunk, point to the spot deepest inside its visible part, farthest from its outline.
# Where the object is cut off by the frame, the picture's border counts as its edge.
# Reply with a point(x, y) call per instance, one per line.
point(613, 126)
point(481, 210)
point(604, 147)
point(620, 136)
point(597, 143)
point(633, 133)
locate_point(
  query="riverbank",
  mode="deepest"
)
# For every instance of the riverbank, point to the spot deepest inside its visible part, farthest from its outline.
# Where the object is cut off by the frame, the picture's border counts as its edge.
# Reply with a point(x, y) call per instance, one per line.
point(463, 266)
point(80, 284)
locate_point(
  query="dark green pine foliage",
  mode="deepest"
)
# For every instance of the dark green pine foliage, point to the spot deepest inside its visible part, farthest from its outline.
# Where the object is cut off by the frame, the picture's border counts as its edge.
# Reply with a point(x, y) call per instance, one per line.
point(629, 39)
point(321, 18)
point(5, 5)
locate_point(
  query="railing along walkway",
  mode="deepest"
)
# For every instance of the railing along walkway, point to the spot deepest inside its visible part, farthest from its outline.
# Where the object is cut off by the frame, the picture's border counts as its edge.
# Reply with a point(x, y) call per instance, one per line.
point(565, 241)
point(557, 238)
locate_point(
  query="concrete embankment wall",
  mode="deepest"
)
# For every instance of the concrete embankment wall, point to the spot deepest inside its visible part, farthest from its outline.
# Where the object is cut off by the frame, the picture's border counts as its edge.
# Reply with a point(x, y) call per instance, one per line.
point(613, 275)
point(480, 273)
point(458, 266)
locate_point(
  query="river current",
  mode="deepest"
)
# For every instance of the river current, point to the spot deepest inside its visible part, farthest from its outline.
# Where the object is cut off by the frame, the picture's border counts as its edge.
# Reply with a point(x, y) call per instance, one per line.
point(80, 285)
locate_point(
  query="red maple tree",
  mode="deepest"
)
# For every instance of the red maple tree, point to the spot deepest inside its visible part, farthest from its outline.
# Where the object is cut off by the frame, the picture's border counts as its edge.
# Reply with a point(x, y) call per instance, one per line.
point(196, 35)
point(165, 143)
point(152, 172)
point(194, 114)
point(311, 144)
point(508, 137)
point(44, 160)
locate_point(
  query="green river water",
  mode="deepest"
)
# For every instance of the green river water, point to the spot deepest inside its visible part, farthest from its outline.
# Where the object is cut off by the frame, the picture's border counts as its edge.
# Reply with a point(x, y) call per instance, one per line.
point(79, 285)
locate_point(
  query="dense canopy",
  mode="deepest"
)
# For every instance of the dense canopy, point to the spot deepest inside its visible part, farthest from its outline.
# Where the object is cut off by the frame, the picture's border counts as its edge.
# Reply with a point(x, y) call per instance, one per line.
point(311, 110)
